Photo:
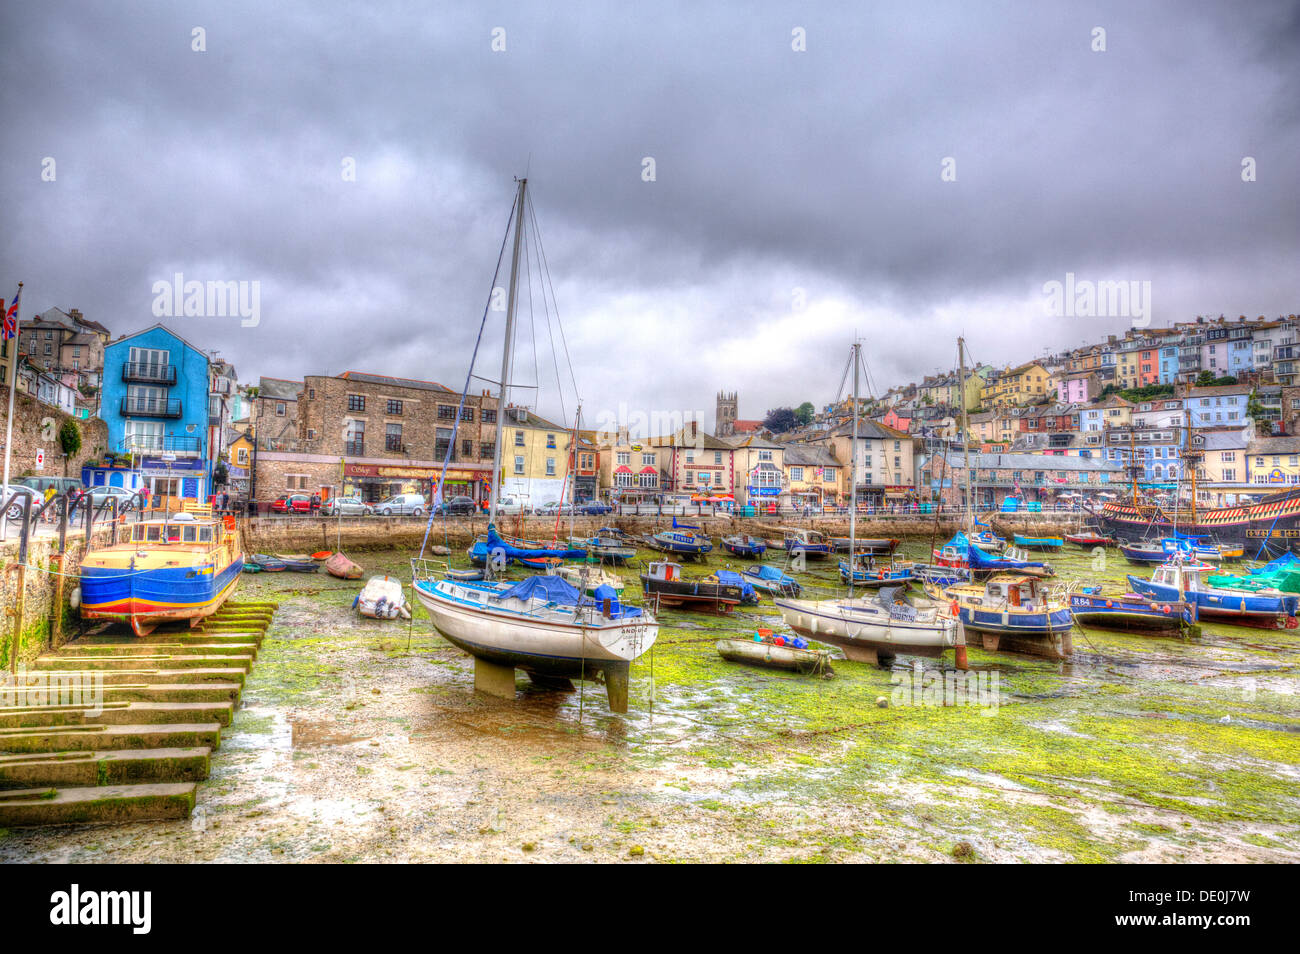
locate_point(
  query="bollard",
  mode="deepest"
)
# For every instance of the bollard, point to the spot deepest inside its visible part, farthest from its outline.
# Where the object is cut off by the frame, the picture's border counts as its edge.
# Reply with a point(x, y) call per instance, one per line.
point(962, 663)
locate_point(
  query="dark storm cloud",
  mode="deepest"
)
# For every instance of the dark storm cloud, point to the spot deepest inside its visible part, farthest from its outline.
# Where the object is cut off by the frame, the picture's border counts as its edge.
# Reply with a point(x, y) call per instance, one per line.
point(782, 177)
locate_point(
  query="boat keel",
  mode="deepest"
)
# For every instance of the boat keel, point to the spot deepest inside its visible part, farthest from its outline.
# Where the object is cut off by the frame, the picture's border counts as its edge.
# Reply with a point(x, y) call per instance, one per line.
point(616, 685)
point(494, 680)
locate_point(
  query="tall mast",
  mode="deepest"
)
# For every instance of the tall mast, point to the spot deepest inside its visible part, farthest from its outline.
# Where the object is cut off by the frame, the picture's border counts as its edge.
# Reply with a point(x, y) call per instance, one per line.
point(504, 391)
point(965, 435)
point(853, 478)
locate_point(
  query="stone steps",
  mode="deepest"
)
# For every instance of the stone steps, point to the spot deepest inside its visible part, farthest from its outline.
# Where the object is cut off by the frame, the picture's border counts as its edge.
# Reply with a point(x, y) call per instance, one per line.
point(136, 723)
point(122, 767)
point(83, 738)
point(116, 713)
point(83, 662)
point(96, 804)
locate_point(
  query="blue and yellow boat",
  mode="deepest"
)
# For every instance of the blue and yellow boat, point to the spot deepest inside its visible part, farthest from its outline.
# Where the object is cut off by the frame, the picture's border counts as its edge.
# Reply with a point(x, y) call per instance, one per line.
point(180, 567)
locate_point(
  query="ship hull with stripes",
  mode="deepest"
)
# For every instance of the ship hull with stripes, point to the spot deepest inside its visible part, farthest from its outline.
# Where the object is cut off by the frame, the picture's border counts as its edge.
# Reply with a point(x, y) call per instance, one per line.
point(1263, 530)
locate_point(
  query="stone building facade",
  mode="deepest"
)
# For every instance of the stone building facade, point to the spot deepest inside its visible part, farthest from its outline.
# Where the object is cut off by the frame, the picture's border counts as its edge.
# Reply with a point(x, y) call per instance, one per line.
point(374, 436)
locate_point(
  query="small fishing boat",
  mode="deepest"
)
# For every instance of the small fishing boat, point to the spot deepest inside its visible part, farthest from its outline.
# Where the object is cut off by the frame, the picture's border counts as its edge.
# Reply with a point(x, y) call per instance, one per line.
point(748, 594)
point(250, 567)
point(664, 582)
point(936, 574)
point(180, 567)
point(812, 544)
point(743, 545)
point(1089, 538)
point(587, 578)
point(682, 540)
point(868, 573)
point(1199, 547)
point(268, 563)
point(986, 540)
point(1011, 611)
point(1176, 581)
point(770, 579)
point(299, 564)
point(791, 653)
point(1038, 543)
point(607, 549)
point(340, 566)
point(1145, 553)
point(872, 628)
point(531, 553)
point(382, 598)
point(876, 546)
point(465, 576)
point(1132, 613)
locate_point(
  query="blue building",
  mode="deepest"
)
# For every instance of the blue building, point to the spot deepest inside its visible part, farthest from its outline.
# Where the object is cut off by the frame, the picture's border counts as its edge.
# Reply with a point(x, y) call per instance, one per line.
point(1221, 406)
point(1168, 364)
point(155, 402)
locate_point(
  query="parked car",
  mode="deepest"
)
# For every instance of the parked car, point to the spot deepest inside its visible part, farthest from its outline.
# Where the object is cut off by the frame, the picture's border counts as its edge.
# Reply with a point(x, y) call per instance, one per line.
point(401, 505)
point(60, 484)
point(347, 506)
point(510, 504)
point(15, 511)
point(127, 500)
point(462, 505)
point(296, 503)
point(595, 508)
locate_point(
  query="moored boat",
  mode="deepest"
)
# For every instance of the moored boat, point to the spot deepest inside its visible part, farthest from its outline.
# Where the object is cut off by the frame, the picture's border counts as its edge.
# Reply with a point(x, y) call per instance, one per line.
point(812, 544)
point(340, 566)
point(791, 654)
point(1011, 611)
point(770, 579)
point(872, 628)
point(1176, 581)
point(743, 545)
point(868, 573)
point(1132, 613)
point(876, 546)
point(1038, 543)
point(180, 567)
point(1089, 538)
point(1144, 553)
point(382, 598)
point(682, 539)
point(589, 578)
point(663, 581)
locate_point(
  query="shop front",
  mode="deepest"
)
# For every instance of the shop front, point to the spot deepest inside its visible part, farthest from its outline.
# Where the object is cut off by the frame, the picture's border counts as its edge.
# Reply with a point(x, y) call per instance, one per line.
point(376, 482)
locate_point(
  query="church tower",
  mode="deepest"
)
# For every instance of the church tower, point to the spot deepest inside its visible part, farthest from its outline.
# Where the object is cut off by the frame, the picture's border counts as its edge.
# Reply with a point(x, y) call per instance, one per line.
point(725, 419)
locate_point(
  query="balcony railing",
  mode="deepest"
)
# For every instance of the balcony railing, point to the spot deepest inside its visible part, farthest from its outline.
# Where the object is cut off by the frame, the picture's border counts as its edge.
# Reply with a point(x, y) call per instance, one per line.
point(354, 448)
point(150, 407)
point(160, 444)
point(151, 373)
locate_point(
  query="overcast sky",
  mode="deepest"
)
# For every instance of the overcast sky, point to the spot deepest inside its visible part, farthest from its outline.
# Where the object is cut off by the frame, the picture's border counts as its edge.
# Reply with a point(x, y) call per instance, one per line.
point(798, 195)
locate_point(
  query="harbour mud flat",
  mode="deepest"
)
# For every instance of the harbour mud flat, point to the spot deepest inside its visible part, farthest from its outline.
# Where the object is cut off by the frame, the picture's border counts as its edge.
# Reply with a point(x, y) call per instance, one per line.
point(363, 740)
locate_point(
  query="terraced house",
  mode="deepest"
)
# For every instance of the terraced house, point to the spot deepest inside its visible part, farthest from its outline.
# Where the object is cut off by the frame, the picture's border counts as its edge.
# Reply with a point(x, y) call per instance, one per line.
point(534, 455)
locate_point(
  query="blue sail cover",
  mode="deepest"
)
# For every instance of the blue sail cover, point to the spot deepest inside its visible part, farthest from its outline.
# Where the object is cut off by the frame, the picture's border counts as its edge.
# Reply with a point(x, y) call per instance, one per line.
point(960, 542)
point(551, 588)
point(979, 560)
point(495, 543)
point(732, 578)
point(1282, 562)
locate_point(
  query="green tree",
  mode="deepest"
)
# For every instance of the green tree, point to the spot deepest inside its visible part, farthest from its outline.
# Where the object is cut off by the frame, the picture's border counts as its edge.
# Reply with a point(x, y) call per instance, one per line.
point(804, 412)
point(780, 419)
point(69, 441)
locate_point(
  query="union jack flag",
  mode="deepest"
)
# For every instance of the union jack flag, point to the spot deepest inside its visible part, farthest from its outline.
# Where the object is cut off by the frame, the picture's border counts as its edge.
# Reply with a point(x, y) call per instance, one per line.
point(11, 316)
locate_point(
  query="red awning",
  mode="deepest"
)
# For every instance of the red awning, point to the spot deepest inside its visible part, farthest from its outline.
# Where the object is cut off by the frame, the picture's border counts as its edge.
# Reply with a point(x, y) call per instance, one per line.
point(648, 470)
point(622, 469)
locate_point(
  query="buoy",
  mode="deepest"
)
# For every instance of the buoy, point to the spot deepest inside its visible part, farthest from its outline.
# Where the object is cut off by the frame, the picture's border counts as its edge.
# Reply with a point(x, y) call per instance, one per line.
point(882, 702)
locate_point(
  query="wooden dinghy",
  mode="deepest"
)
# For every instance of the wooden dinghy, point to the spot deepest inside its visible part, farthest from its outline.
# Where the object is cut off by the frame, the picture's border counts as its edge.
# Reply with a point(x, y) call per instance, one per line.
point(340, 566)
point(767, 652)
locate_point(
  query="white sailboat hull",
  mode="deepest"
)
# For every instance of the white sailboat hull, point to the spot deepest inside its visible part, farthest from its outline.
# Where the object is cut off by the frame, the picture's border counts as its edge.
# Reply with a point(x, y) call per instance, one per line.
point(559, 643)
point(865, 630)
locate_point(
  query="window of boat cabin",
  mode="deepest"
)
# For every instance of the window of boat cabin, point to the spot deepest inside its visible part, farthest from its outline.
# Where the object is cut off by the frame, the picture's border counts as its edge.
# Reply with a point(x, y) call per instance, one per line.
point(153, 532)
point(205, 535)
point(189, 534)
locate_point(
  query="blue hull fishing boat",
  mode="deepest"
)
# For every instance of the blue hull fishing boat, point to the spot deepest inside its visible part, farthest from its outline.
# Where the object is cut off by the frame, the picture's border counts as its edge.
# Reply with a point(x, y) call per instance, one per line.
point(1144, 554)
point(983, 564)
point(1133, 613)
point(867, 574)
point(683, 540)
point(1173, 582)
point(743, 545)
point(1039, 543)
point(812, 544)
point(769, 579)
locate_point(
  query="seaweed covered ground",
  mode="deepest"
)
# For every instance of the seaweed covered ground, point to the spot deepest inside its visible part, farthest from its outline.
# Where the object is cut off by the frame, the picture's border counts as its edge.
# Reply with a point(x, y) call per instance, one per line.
point(361, 740)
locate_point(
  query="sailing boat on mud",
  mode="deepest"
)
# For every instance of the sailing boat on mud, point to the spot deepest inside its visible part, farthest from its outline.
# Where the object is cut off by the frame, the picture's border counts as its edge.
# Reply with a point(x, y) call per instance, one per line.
point(869, 629)
point(543, 624)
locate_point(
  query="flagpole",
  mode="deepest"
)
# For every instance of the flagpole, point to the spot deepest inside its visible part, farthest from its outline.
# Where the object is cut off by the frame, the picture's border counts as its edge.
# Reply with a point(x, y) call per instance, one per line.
point(9, 419)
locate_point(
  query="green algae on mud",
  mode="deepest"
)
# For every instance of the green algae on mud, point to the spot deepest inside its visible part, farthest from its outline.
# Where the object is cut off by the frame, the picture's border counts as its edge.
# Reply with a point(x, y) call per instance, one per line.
point(1134, 749)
